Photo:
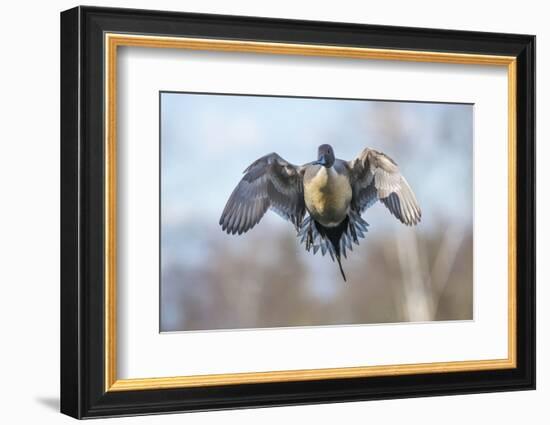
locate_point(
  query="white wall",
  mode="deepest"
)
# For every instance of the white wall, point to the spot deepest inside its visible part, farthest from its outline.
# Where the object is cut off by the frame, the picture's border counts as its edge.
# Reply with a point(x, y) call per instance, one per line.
point(29, 225)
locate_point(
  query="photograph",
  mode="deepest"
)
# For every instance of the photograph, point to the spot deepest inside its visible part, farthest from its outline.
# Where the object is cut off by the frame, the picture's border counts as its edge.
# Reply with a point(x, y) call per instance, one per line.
point(280, 211)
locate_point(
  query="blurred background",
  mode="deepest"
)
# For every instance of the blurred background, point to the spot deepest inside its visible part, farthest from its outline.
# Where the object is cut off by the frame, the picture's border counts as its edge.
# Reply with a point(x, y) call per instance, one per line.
point(265, 278)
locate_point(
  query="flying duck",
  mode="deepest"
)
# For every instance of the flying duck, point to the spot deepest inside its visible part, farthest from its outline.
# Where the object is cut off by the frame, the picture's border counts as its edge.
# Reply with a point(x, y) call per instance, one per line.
point(333, 192)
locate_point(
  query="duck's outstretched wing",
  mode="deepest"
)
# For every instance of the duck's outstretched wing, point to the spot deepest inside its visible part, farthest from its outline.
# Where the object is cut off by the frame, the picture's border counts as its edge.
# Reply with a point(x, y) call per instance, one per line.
point(375, 176)
point(269, 182)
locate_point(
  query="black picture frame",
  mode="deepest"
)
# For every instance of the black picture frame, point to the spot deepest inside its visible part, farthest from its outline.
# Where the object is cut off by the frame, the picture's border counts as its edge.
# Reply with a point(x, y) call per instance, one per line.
point(83, 392)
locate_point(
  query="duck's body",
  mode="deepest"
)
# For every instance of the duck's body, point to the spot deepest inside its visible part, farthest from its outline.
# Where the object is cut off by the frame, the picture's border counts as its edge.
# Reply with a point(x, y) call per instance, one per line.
point(327, 193)
point(332, 191)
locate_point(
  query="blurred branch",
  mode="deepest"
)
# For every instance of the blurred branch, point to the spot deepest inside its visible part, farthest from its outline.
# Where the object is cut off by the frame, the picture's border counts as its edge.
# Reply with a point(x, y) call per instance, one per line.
point(444, 261)
point(422, 287)
point(418, 302)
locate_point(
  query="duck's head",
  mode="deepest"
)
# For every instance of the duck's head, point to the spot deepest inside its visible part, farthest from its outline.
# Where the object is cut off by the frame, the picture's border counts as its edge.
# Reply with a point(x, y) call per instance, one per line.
point(325, 156)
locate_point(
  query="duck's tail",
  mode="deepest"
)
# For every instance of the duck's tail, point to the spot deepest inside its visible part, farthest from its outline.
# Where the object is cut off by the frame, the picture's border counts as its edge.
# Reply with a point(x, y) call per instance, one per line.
point(340, 265)
point(333, 240)
point(334, 234)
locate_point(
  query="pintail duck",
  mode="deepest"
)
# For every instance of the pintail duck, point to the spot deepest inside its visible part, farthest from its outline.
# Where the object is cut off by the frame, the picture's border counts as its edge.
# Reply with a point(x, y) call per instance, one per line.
point(333, 192)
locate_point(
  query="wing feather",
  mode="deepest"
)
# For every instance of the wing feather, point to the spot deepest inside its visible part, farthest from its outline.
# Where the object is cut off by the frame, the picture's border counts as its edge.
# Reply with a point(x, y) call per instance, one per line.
point(376, 177)
point(269, 182)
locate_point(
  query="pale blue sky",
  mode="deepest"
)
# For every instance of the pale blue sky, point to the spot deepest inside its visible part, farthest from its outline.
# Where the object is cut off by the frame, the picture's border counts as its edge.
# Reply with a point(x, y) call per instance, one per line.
point(208, 140)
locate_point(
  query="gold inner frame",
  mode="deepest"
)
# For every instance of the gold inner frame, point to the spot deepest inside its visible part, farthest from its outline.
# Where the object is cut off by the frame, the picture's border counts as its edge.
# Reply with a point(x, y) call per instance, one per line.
point(113, 41)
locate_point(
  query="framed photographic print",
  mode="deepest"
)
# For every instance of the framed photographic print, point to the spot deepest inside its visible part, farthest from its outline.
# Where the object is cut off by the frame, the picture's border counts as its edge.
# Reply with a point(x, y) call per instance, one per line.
point(261, 212)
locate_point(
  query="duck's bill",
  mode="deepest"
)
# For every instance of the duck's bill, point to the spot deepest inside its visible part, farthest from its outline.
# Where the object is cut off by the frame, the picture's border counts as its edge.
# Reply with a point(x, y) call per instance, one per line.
point(321, 161)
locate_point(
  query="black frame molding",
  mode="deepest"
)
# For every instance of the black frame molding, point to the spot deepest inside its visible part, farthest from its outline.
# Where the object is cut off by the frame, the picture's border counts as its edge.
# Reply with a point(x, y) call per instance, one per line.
point(82, 212)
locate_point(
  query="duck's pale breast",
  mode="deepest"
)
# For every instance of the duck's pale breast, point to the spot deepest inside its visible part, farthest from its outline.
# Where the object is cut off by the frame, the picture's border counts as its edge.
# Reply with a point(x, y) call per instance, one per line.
point(327, 195)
